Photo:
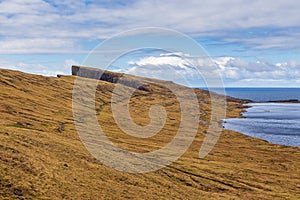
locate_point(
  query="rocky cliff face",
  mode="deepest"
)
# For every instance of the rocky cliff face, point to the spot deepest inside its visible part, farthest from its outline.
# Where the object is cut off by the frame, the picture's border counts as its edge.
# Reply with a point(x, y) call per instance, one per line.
point(112, 77)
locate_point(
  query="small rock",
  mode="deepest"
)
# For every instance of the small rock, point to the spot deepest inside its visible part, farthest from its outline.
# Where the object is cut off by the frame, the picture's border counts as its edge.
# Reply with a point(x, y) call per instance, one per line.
point(20, 124)
point(28, 124)
point(18, 192)
point(4, 133)
point(61, 128)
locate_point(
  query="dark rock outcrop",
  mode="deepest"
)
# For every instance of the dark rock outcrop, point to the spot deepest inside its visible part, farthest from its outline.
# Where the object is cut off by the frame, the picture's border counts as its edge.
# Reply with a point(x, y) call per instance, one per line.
point(112, 77)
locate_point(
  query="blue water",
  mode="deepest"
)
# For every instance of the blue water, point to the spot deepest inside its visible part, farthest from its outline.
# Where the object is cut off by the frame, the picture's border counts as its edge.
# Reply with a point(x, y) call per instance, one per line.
point(277, 123)
point(262, 94)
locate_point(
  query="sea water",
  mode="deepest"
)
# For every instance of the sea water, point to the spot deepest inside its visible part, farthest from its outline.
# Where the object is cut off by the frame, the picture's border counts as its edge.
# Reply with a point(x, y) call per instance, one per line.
point(262, 94)
point(277, 123)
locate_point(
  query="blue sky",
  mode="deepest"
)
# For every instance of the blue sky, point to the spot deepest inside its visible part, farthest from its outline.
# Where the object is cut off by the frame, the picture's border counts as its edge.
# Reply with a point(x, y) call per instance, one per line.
point(254, 43)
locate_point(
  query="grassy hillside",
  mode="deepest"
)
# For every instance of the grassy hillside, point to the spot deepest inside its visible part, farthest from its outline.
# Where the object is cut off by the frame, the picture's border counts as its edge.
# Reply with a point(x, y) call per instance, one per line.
point(42, 157)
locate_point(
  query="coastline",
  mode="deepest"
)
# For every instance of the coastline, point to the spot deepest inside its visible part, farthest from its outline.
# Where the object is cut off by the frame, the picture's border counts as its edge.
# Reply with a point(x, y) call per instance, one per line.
point(258, 122)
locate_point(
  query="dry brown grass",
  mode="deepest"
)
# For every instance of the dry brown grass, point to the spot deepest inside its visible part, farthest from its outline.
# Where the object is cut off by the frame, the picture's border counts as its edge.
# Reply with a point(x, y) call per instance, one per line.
point(41, 156)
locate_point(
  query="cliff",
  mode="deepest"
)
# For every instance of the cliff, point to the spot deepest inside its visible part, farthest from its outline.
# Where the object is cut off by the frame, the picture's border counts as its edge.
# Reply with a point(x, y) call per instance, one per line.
point(112, 77)
point(42, 156)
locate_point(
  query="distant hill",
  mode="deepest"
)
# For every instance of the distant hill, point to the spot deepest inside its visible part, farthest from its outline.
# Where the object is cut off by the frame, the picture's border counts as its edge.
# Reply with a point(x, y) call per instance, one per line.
point(42, 157)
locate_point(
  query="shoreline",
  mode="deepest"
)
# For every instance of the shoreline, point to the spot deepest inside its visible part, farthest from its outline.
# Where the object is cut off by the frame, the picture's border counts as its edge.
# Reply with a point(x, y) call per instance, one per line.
point(261, 133)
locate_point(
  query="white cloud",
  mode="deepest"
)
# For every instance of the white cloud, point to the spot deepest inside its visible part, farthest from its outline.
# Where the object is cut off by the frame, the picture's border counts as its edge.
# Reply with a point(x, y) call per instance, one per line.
point(283, 41)
point(68, 63)
point(69, 20)
point(34, 45)
point(46, 70)
point(234, 71)
point(178, 67)
point(65, 26)
point(259, 73)
point(163, 60)
point(163, 67)
point(24, 7)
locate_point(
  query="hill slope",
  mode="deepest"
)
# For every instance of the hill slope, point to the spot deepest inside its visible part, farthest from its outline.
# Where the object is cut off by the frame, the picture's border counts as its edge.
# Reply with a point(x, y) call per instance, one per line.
point(42, 157)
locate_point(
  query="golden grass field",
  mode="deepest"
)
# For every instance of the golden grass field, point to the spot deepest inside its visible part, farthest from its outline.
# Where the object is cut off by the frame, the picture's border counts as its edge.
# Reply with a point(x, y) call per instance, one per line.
point(42, 157)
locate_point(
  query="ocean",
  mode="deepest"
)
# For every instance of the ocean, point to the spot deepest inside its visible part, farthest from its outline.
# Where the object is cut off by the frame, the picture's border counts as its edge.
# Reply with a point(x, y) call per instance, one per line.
point(278, 123)
point(263, 94)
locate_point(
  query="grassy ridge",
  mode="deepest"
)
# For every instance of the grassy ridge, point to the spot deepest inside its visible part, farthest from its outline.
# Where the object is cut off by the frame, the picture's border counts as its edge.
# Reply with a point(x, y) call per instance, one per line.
point(41, 156)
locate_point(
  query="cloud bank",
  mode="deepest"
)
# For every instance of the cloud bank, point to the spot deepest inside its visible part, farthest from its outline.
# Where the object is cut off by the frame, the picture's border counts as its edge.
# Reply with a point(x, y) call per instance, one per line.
point(65, 25)
point(234, 71)
point(75, 27)
point(35, 68)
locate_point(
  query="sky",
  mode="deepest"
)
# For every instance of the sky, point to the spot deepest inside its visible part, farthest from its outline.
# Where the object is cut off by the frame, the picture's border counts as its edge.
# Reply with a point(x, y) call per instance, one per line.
point(252, 43)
